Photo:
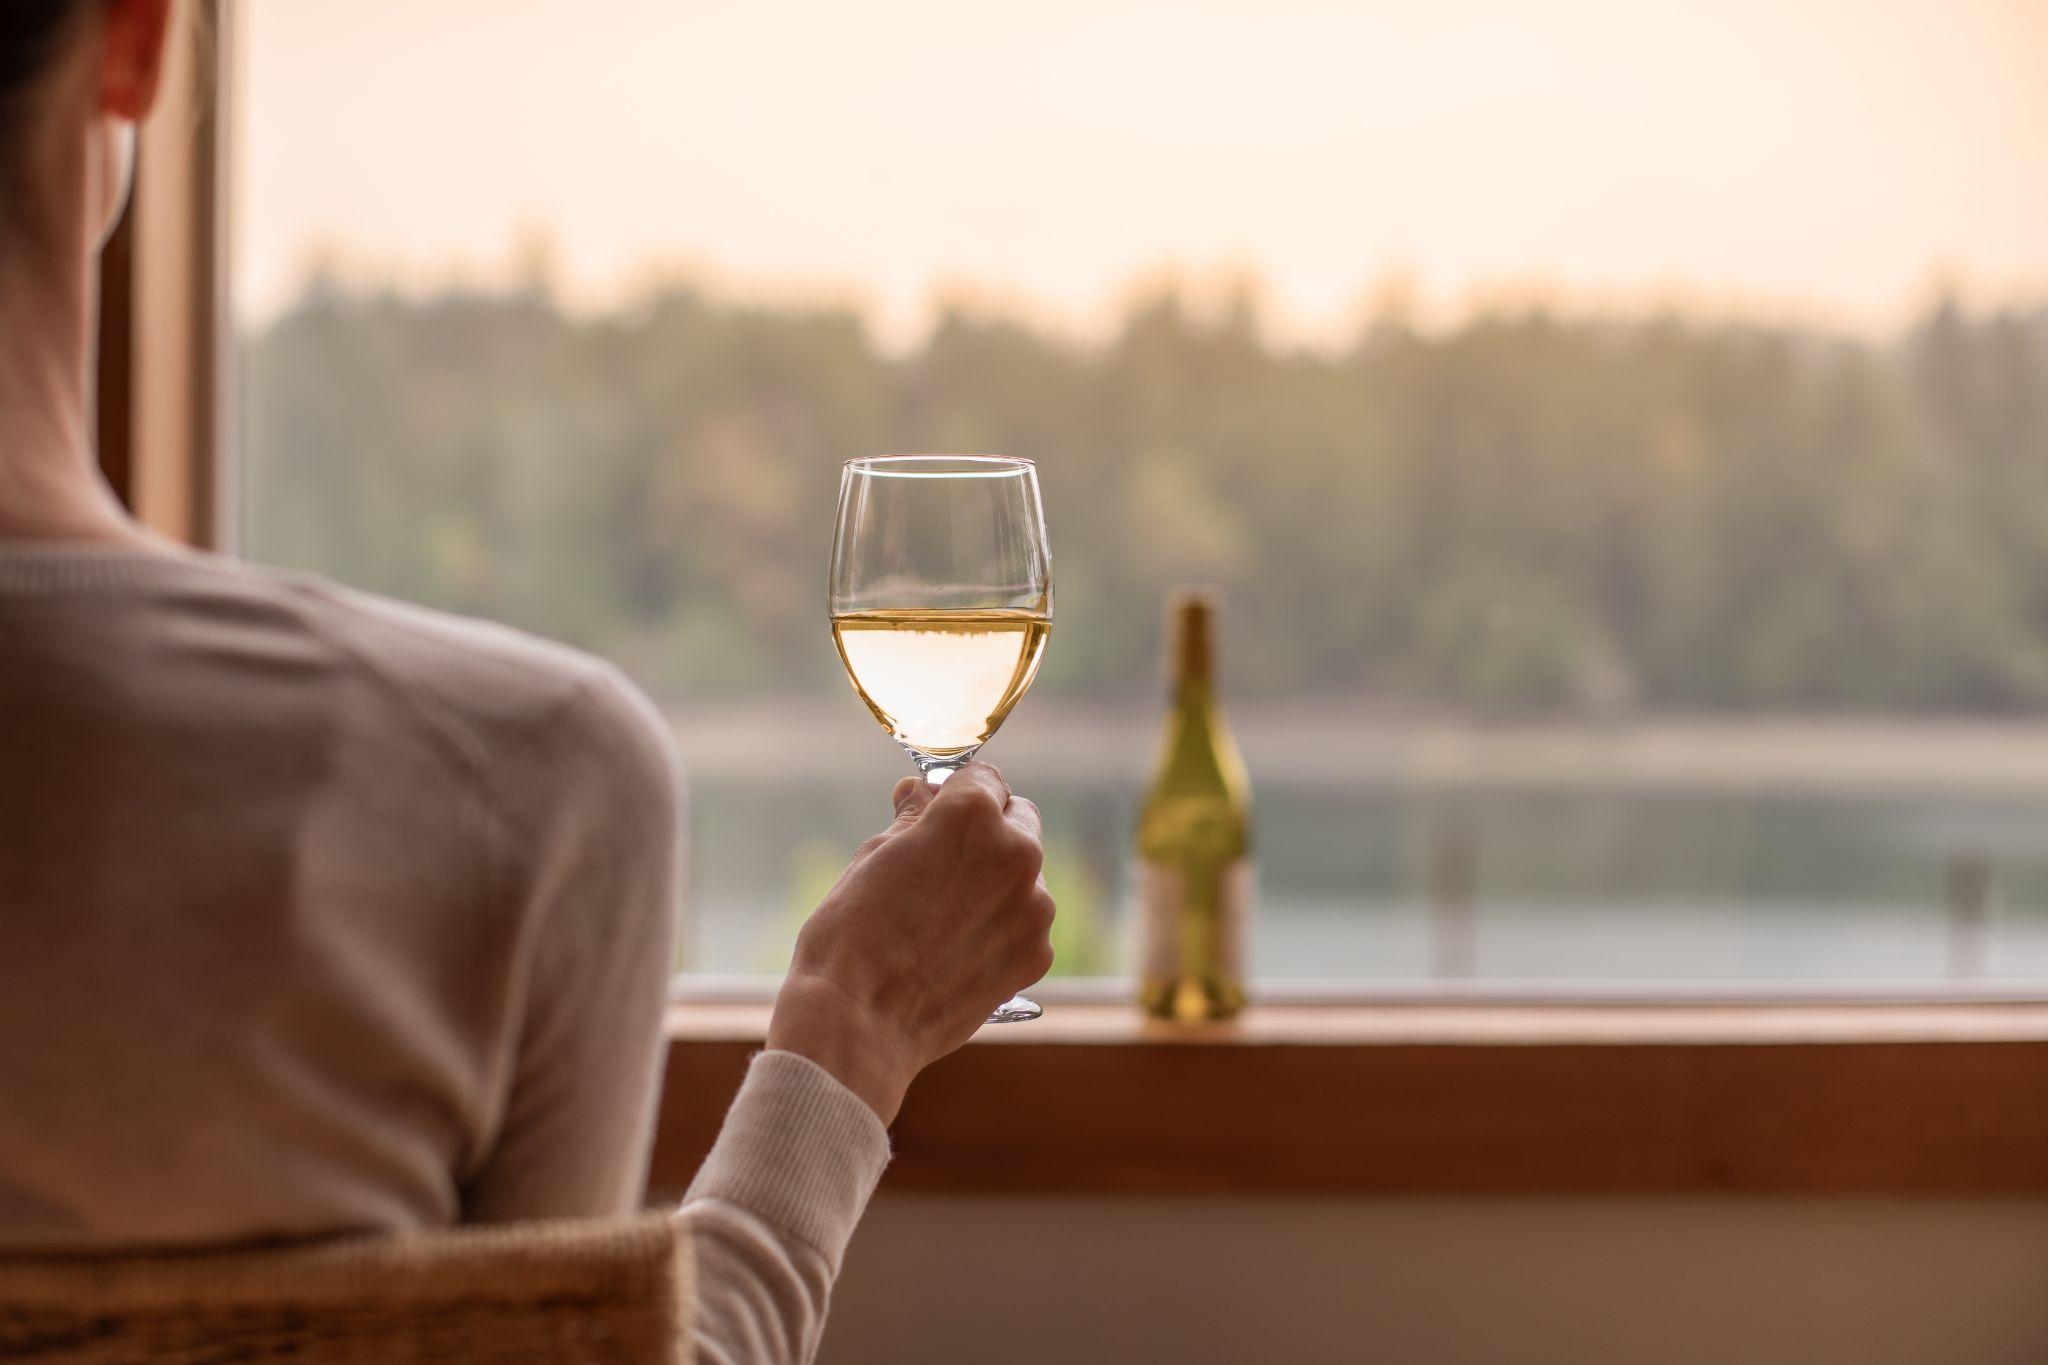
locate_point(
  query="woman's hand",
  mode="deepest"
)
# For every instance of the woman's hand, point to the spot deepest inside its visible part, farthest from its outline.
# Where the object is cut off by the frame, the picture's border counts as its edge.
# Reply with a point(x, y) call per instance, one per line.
point(940, 918)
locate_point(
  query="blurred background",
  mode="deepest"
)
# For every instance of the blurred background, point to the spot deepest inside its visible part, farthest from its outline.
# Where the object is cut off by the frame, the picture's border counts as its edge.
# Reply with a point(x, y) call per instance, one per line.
point(1621, 431)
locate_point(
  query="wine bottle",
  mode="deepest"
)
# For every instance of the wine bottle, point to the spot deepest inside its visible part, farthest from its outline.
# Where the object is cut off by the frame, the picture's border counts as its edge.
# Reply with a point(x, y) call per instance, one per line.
point(1194, 839)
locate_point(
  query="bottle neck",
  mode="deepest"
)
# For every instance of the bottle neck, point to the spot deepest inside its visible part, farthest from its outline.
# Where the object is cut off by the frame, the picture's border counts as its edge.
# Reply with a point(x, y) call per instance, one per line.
point(1193, 660)
point(1193, 693)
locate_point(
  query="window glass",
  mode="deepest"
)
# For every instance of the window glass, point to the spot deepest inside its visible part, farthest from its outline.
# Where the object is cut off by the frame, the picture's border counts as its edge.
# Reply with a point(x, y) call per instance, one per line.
point(1620, 432)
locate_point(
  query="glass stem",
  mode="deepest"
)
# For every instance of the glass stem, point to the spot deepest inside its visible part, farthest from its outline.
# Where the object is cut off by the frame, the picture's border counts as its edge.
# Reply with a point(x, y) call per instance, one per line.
point(936, 770)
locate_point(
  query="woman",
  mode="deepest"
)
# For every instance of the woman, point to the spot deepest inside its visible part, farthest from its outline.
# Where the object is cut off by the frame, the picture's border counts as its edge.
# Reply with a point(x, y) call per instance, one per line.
point(320, 913)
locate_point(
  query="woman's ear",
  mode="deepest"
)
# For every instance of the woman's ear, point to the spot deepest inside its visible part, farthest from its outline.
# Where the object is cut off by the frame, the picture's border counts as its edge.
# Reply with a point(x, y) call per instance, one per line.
point(132, 56)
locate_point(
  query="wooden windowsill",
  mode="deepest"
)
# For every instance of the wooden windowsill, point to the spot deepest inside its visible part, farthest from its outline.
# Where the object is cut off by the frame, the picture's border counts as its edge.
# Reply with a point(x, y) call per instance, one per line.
point(1447, 1099)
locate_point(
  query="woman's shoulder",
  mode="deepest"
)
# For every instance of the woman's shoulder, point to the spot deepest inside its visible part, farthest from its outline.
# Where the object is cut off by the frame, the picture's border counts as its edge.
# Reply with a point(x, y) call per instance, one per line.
point(486, 677)
point(499, 699)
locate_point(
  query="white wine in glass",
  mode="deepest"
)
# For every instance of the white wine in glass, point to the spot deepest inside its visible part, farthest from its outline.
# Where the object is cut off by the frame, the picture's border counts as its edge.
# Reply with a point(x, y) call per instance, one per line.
point(941, 603)
point(940, 681)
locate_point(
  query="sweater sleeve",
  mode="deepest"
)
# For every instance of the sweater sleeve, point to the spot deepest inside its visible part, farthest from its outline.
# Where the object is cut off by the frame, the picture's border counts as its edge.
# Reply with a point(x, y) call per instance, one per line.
point(599, 870)
point(773, 1207)
point(775, 1203)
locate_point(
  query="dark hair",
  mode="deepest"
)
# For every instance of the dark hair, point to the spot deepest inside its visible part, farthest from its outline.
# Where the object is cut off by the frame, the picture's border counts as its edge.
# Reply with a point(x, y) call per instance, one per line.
point(29, 34)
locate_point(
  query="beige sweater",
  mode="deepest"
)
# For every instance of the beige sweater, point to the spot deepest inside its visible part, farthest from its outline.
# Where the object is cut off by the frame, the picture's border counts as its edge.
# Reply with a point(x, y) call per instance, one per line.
point(318, 912)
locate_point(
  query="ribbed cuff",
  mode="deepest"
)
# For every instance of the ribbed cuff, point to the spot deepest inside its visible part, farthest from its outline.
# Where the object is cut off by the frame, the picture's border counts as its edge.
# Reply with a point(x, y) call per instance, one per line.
point(798, 1150)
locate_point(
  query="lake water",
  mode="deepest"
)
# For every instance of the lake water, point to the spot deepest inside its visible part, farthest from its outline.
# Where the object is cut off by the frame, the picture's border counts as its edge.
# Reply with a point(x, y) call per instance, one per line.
point(1398, 870)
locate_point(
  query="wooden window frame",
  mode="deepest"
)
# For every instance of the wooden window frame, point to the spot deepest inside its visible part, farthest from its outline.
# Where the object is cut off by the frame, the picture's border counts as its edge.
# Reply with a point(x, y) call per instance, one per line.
point(1944, 1094)
point(165, 339)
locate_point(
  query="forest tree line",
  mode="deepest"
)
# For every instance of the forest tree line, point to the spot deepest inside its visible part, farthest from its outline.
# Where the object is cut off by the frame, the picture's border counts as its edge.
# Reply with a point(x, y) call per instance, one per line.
point(1531, 512)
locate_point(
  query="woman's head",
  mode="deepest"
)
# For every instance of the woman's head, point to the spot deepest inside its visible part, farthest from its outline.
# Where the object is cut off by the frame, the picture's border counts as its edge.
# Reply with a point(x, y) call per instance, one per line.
point(75, 77)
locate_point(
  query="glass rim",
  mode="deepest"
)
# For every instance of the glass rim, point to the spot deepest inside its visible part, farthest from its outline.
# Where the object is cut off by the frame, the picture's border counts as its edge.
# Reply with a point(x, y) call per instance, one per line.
point(941, 466)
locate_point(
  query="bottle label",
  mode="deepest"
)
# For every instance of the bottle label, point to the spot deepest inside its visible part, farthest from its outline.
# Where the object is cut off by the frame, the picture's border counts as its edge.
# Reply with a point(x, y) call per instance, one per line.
point(1171, 919)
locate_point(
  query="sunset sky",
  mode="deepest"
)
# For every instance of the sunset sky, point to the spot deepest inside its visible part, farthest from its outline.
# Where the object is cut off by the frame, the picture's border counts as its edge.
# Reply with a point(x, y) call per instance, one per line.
point(1826, 161)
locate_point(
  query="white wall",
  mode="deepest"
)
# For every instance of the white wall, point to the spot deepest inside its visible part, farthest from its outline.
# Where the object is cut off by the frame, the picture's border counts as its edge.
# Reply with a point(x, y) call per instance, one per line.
point(1575, 1282)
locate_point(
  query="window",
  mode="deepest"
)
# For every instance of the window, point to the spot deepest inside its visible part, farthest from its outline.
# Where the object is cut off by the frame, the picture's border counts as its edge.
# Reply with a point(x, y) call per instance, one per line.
point(1635, 559)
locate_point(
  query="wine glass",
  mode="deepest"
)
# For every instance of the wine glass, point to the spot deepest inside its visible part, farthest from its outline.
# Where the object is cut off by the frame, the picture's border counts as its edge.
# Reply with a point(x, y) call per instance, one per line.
point(941, 602)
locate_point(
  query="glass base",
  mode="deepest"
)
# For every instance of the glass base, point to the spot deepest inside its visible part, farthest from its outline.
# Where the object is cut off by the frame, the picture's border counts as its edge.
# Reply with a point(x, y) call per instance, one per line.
point(1016, 1010)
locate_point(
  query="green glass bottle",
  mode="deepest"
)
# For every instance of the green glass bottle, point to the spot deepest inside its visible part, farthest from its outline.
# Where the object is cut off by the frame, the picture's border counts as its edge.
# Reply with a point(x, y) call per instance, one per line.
point(1194, 839)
